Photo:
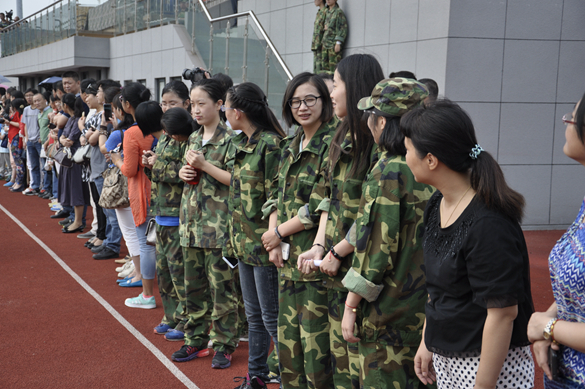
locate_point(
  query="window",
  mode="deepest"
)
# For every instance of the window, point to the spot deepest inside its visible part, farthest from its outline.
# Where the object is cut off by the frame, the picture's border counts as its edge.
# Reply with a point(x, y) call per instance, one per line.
point(160, 85)
point(143, 82)
point(126, 82)
point(176, 79)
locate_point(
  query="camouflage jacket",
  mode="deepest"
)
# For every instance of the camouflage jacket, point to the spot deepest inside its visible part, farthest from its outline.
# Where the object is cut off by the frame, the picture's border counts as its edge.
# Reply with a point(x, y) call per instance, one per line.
point(254, 168)
point(341, 198)
point(298, 176)
point(334, 27)
point(167, 187)
point(204, 207)
point(318, 29)
point(388, 264)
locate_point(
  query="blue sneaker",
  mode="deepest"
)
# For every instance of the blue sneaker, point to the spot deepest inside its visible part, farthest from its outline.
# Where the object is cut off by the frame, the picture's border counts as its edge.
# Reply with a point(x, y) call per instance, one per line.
point(128, 284)
point(9, 183)
point(124, 279)
point(175, 336)
point(162, 329)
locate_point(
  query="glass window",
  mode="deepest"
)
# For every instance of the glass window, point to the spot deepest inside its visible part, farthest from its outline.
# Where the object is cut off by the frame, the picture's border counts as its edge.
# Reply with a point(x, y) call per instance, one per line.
point(143, 82)
point(160, 85)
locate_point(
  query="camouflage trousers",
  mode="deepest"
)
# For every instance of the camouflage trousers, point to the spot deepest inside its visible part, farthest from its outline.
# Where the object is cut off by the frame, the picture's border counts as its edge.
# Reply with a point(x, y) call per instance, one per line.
point(330, 59)
point(303, 335)
point(170, 274)
point(385, 366)
point(318, 61)
point(345, 356)
point(211, 300)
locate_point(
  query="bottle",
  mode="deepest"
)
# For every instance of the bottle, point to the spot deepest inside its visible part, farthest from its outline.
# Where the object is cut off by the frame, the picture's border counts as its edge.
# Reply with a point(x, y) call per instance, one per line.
point(195, 181)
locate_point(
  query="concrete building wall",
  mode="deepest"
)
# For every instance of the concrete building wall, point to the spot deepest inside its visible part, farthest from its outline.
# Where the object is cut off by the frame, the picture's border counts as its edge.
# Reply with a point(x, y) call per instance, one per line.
point(516, 67)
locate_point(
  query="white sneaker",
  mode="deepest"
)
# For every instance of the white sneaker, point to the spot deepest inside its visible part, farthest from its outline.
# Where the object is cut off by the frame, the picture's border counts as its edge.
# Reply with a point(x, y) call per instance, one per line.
point(125, 266)
point(210, 344)
point(127, 272)
point(140, 302)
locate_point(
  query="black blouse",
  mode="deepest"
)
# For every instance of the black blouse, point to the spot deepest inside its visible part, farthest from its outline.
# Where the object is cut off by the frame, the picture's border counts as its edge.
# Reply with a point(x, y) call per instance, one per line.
point(478, 262)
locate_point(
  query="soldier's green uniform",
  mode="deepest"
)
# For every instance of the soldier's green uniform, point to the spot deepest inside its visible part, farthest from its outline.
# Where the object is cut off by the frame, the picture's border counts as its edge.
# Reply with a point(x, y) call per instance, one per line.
point(316, 46)
point(334, 30)
point(303, 325)
point(388, 272)
point(254, 168)
point(165, 201)
point(341, 198)
point(209, 282)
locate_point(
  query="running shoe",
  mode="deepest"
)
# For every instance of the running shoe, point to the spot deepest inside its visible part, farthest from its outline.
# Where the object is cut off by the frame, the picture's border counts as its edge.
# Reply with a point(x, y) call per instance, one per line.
point(250, 383)
point(186, 353)
point(221, 360)
point(141, 302)
point(175, 336)
point(162, 329)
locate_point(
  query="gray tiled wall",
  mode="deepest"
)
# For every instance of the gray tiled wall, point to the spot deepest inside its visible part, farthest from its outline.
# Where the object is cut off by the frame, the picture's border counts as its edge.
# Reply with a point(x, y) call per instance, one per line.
point(515, 66)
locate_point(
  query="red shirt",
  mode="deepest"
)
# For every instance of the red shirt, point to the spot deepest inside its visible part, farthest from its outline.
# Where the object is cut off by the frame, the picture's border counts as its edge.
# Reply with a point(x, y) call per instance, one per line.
point(14, 130)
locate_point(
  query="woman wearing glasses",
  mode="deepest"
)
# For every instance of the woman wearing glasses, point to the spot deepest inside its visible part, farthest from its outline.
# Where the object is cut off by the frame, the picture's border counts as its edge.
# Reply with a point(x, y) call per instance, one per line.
point(307, 105)
point(209, 281)
point(562, 326)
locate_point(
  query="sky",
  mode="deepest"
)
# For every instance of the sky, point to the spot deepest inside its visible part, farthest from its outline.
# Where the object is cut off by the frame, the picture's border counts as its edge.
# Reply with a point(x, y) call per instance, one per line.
point(31, 6)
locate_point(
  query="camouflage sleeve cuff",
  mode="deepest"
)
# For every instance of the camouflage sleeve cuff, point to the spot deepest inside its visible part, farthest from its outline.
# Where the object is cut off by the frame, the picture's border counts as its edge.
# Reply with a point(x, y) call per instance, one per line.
point(351, 235)
point(354, 282)
point(323, 205)
point(307, 219)
point(340, 39)
point(268, 207)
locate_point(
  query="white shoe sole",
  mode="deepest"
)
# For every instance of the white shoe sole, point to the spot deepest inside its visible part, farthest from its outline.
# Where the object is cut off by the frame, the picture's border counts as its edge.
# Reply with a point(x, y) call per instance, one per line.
point(139, 305)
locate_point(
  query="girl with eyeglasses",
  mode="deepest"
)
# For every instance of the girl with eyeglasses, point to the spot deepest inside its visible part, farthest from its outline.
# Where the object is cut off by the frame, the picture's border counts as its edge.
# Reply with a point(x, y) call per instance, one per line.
point(172, 132)
point(255, 165)
point(307, 105)
point(210, 289)
point(350, 155)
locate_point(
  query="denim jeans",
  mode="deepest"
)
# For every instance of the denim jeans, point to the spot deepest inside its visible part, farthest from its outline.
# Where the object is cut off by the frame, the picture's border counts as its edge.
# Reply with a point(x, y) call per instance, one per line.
point(34, 155)
point(55, 183)
point(260, 292)
point(113, 232)
point(71, 211)
point(147, 253)
point(47, 177)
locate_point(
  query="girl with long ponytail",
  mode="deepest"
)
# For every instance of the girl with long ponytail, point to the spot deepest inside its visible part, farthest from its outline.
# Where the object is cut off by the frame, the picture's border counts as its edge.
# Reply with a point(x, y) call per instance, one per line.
point(476, 261)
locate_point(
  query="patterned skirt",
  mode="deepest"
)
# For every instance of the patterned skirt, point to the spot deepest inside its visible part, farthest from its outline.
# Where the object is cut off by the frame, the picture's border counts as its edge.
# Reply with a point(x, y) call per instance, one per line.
point(455, 372)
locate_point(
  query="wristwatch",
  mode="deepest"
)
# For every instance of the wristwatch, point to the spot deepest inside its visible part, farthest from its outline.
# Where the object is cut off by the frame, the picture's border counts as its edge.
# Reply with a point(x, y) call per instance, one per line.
point(549, 328)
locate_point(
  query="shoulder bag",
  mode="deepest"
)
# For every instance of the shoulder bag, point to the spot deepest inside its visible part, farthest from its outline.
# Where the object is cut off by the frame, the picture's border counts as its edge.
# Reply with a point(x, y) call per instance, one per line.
point(115, 191)
point(63, 156)
point(83, 154)
point(151, 232)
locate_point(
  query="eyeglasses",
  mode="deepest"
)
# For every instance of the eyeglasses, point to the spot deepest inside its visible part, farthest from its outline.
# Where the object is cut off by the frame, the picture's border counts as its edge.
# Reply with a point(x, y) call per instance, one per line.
point(224, 108)
point(568, 119)
point(309, 101)
point(121, 99)
point(170, 104)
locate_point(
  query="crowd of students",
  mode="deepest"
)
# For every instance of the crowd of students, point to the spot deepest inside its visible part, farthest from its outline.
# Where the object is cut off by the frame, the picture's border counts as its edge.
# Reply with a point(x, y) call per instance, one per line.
point(377, 246)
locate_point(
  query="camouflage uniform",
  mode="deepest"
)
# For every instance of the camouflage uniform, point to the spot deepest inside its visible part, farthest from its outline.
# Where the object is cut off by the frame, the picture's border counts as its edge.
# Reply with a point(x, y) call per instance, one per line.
point(341, 199)
point(255, 166)
point(209, 281)
point(316, 46)
point(303, 325)
point(334, 30)
point(388, 272)
point(165, 200)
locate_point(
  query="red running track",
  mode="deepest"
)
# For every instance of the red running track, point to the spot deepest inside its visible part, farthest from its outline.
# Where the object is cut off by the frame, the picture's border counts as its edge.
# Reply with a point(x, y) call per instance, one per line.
point(58, 334)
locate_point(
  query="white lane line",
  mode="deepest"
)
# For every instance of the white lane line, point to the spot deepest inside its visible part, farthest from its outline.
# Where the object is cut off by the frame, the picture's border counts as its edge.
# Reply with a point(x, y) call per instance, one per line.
point(155, 351)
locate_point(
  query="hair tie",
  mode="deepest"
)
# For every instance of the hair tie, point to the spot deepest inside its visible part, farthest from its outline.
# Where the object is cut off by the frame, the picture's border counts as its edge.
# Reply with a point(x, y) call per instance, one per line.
point(21, 106)
point(475, 151)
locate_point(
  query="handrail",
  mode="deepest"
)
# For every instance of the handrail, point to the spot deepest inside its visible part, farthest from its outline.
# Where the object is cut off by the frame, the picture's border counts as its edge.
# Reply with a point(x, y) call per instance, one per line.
point(258, 24)
point(31, 15)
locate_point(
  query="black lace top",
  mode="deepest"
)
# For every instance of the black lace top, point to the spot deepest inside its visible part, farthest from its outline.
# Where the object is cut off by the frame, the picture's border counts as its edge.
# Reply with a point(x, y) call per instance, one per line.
point(478, 262)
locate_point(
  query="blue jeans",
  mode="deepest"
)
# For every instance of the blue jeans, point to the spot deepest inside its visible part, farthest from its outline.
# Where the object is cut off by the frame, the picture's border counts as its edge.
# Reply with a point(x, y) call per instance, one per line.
point(260, 292)
point(71, 211)
point(34, 153)
point(55, 182)
point(47, 177)
point(113, 232)
point(147, 253)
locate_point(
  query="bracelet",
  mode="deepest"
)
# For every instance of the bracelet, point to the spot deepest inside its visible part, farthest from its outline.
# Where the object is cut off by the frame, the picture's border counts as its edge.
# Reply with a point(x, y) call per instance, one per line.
point(320, 245)
point(353, 309)
point(277, 233)
point(552, 331)
point(337, 256)
point(103, 127)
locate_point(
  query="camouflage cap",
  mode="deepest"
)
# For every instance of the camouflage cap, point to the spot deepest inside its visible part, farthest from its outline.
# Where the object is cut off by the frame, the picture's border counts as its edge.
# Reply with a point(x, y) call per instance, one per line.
point(395, 96)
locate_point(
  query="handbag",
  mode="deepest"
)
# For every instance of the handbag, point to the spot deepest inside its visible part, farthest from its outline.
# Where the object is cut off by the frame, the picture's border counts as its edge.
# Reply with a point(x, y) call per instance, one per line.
point(51, 150)
point(115, 189)
point(151, 232)
point(63, 156)
point(4, 143)
point(82, 154)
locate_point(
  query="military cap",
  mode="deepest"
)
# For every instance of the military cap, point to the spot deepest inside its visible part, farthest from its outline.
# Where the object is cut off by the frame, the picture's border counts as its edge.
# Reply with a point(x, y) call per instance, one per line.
point(394, 96)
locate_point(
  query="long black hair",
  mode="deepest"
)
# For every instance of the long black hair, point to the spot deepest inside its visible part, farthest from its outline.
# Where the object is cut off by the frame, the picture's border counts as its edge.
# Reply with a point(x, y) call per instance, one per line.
point(319, 84)
point(177, 121)
point(215, 89)
point(128, 120)
point(18, 105)
point(391, 138)
point(68, 100)
point(249, 98)
point(135, 93)
point(360, 73)
point(177, 87)
point(444, 130)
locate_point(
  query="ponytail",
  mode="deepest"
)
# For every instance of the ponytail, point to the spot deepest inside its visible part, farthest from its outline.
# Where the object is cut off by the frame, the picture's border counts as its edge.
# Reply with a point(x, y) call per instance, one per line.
point(249, 98)
point(444, 130)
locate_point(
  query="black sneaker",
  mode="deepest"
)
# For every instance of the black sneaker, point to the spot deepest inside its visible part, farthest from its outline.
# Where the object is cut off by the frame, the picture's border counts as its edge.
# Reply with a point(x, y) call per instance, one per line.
point(250, 383)
point(186, 353)
point(65, 222)
point(106, 253)
point(221, 360)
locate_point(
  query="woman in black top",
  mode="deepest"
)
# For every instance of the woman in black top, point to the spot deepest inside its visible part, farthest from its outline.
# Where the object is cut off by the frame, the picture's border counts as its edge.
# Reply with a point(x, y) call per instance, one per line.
point(477, 268)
